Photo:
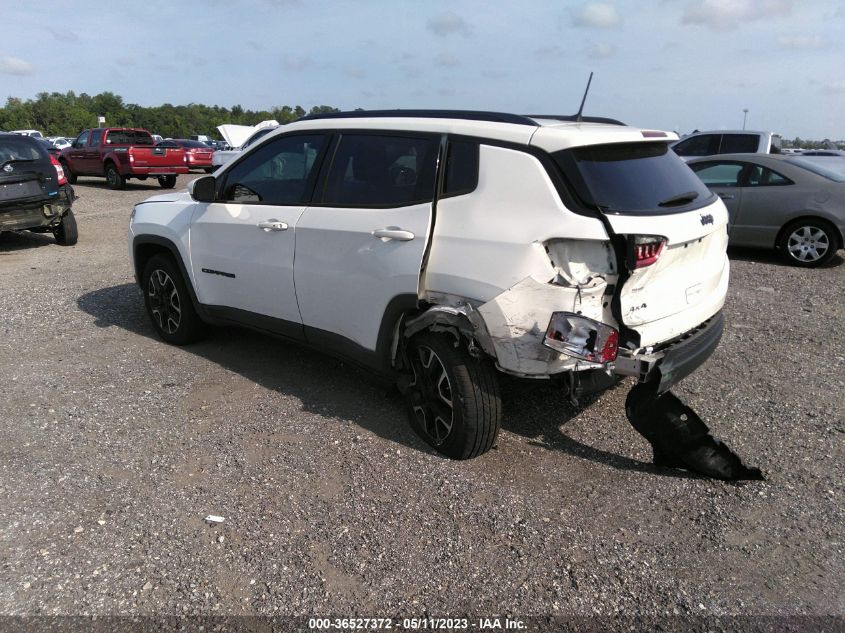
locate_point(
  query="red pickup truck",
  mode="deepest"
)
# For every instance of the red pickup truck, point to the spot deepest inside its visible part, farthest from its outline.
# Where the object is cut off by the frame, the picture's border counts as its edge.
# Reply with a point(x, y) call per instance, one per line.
point(120, 154)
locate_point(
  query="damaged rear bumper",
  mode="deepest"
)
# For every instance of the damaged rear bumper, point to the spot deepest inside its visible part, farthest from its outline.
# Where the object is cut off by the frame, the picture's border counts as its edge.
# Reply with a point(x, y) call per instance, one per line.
point(671, 363)
point(32, 214)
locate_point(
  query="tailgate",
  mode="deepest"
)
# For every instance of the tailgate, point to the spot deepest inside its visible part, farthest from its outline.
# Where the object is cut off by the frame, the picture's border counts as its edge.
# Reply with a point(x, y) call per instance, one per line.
point(157, 156)
point(688, 282)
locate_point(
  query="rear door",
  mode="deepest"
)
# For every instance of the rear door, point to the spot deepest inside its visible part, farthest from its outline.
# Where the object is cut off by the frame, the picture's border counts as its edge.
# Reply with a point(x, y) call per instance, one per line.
point(362, 247)
point(675, 228)
point(242, 246)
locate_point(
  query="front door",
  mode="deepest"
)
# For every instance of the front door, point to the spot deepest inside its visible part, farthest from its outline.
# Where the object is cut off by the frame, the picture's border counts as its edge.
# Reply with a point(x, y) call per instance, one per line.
point(363, 244)
point(724, 178)
point(242, 246)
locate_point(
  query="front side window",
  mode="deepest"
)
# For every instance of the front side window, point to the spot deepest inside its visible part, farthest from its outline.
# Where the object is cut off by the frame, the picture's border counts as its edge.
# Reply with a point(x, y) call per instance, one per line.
point(96, 137)
point(739, 144)
point(632, 178)
point(281, 172)
point(82, 139)
point(382, 171)
point(718, 174)
point(703, 145)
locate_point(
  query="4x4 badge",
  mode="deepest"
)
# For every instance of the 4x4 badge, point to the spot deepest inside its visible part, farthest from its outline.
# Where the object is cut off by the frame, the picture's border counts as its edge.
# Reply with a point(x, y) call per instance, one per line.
point(8, 169)
point(706, 219)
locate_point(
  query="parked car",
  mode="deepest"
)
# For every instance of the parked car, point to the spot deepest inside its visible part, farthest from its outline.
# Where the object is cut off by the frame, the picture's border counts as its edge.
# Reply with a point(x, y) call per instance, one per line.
point(34, 193)
point(197, 153)
point(441, 248)
point(240, 137)
point(120, 154)
point(33, 133)
point(51, 149)
point(784, 202)
point(727, 142)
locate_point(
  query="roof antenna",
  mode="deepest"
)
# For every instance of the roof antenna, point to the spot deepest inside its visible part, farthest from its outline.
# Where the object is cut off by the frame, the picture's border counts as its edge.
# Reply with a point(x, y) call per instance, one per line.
point(581, 109)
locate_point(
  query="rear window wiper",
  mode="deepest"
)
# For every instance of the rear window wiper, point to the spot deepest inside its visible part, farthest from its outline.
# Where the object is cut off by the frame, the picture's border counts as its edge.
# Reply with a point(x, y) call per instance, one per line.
point(681, 198)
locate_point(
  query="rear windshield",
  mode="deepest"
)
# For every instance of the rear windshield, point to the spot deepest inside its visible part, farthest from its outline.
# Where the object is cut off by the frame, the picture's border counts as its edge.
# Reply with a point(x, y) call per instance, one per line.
point(816, 168)
point(129, 137)
point(632, 178)
point(15, 148)
point(192, 144)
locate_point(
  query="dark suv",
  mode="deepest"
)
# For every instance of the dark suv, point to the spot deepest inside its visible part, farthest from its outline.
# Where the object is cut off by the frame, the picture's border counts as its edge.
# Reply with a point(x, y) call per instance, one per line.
point(34, 194)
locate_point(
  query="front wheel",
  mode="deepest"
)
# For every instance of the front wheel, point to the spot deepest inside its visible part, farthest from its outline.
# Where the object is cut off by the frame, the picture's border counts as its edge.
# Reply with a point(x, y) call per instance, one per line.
point(114, 177)
point(168, 303)
point(167, 182)
point(453, 398)
point(809, 242)
point(66, 232)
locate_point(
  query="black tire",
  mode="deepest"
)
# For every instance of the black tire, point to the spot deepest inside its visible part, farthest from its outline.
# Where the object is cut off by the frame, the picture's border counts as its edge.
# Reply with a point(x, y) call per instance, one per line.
point(167, 182)
point(71, 177)
point(66, 232)
point(168, 302)
point(809, 242)
point(444, 373)
point(114, 178)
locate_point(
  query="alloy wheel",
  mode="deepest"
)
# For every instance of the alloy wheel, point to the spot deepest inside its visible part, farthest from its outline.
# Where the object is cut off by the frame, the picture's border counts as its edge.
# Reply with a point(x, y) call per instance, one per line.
point(431, 394)
point(808, 243)
point(165, 305)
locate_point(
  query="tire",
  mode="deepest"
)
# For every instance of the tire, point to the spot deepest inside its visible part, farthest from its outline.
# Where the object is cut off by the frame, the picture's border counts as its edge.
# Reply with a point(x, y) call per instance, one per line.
point(167, 182)
point(809, 243)
point(448, 382)
point(168, 302)
point(71, 177)
point(114, 178)
point(66, 232)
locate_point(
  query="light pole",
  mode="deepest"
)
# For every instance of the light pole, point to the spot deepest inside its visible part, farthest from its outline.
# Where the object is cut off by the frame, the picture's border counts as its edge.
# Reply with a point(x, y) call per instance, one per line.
point(744, 117)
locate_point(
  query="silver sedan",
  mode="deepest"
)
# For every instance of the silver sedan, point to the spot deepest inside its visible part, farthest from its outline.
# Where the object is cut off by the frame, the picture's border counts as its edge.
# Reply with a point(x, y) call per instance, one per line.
point(774, 201)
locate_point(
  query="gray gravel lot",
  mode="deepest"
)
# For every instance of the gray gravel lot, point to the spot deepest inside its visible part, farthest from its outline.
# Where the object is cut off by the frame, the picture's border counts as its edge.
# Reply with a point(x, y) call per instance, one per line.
point(116, 446)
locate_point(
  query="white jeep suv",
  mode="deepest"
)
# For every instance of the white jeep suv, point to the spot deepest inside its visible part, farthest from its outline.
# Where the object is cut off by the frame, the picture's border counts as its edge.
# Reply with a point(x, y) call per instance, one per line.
point(438, 248)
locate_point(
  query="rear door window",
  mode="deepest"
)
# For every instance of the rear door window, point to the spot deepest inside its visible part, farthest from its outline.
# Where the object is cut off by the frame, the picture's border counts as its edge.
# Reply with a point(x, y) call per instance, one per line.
point(739, 143)
point(382, 171)
point(632, 178)
point(461, 175)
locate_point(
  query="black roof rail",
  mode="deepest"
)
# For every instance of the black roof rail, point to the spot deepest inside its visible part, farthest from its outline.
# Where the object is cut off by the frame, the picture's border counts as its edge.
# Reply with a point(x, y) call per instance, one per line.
point(574, 118)
point(469, 115)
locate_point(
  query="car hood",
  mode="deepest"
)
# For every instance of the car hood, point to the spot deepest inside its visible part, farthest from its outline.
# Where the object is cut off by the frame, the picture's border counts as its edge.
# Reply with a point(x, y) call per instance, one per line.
point(177, 196)
point(237, 135)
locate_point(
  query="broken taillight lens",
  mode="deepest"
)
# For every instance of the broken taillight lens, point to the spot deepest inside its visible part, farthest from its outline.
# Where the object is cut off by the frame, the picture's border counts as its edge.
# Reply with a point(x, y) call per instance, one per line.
point(645, 250)
point(582, 338)
point(60, 173)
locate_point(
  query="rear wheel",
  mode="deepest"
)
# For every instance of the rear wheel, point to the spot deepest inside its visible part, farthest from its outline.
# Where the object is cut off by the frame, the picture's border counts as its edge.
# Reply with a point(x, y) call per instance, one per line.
point(453, 398)
point(168, 303)
point(114, 178)
point(167, 182)
point(66, 232)
point(71, 177)
point(811, 242)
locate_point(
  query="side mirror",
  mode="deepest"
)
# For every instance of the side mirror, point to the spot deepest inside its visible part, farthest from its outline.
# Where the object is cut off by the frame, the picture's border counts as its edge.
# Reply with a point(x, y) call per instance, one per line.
point(203, 189)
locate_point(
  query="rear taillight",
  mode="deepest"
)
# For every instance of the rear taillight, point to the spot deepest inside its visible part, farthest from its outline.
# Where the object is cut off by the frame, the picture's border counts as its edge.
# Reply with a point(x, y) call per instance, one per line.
point(645, 250)
point(60, 173)
point(582, 338)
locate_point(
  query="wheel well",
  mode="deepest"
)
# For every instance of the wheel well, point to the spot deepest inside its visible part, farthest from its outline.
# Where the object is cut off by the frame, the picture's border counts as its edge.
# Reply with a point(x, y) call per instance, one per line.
point(840, 239)
point(144, 253)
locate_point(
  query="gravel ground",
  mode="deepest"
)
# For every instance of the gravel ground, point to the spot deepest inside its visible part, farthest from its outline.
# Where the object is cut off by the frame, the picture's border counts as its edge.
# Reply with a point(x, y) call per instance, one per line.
point(116, 446)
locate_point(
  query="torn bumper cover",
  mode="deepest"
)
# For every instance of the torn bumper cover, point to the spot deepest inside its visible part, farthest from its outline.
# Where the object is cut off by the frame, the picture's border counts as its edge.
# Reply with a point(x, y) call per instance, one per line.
point(677, 360)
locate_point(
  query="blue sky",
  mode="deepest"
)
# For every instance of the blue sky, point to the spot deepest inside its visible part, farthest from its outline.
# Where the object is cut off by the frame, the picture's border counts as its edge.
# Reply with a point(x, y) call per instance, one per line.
point(670, 64)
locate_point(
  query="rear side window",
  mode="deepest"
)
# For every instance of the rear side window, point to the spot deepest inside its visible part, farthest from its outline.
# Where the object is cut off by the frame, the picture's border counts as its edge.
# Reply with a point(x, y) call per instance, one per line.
point(632, 178)
point(739, 143)
point(382, 171)
point(461, 175)
point(279, 172)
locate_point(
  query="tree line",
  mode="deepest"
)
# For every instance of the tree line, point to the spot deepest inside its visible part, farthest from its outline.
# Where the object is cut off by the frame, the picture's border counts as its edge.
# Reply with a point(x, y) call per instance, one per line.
point(67, 114)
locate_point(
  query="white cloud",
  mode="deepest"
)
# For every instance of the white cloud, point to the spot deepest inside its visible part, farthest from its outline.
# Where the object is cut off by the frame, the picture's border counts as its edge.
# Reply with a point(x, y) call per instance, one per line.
point(720, 15)
point(446, 24)
point(801, 42)
point(597, 15)
point(15, 66)
point(601, 51)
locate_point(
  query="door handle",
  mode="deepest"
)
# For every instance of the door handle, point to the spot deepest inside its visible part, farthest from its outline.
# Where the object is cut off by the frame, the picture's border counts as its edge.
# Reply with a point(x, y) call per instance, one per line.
point(394, 234)
point(273, 225)
point(726, 196)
